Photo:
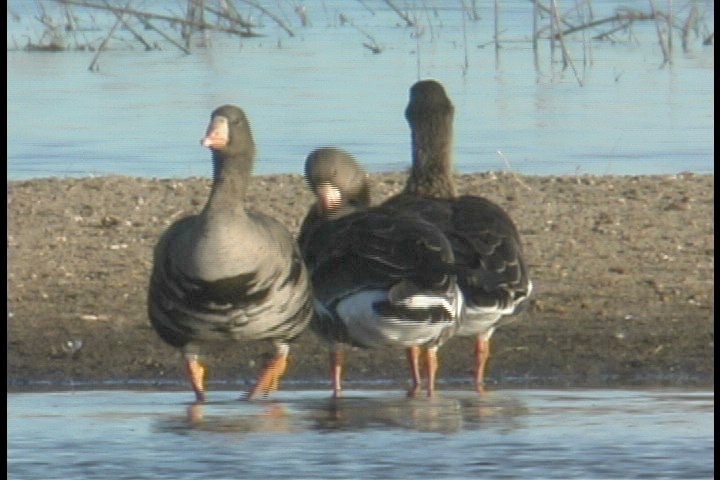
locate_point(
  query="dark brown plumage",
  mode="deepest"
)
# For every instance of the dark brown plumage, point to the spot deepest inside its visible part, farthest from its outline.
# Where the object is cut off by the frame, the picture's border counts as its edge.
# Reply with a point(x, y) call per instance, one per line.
point(340, 185)
point(492, 271)
point(380, 278)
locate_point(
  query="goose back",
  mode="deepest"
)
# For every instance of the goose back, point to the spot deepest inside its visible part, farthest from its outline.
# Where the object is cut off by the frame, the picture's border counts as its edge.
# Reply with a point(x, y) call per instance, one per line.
point(492, 271)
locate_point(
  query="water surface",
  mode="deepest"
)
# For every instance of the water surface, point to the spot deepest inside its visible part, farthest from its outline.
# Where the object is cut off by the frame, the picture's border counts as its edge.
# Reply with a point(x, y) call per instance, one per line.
point(584, 434)
point(143, 113)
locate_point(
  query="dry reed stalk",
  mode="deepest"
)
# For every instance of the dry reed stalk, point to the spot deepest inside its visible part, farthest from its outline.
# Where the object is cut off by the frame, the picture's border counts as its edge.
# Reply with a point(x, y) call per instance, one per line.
point(553, 37)
point(417, 50)
point(156, 16)
point(193, 16)
point(628, 15)
point(401, 14)
point(496, 13)
point(566, 56)
point(167, 37)
point(93, 65)
point(426, 11)
point(663, 46)
point(365, 5)
point(536, 12)
point(274, 17)
point(232, 13)
point(134, 32)
point(581, 15)
point(669, 27)
point(535, 34)
point(543, 9)
point(466, 65)
point(689, 24)
point(374, 47)
point(608, 33)
point(71, 26)
point(475, 14)
point(512, 172)
point(302, 14)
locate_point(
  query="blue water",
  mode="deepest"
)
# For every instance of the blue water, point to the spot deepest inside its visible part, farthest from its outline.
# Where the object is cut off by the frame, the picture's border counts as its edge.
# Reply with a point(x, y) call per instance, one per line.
point(303, 434)
point(143, 113)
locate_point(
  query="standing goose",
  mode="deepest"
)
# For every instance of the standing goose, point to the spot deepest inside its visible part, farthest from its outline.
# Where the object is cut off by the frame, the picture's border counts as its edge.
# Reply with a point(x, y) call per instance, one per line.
point(381, 279)
point(492, 272)
point(229, 273)
point(338, 182)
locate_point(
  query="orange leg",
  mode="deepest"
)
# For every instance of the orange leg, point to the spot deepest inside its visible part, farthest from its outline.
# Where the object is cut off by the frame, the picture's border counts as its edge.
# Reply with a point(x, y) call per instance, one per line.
point(336, 366)
point(413, 358)
point(196, 372)
point(195, 413)
point(482, 353)
point(269, 380)
point(432, 367)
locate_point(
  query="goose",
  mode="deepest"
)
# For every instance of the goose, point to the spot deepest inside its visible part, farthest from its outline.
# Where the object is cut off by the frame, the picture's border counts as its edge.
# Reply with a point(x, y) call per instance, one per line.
point(492, 271)
point(380, 279)
point(228, 273)
point(338, 181)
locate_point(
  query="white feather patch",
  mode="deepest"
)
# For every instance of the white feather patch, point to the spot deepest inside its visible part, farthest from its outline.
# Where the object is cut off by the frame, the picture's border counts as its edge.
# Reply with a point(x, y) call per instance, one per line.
point(371, 329)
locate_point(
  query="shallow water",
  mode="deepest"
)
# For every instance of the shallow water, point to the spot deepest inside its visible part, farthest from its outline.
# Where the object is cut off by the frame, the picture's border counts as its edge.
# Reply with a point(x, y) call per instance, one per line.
point(143, 113)
point(583, 434)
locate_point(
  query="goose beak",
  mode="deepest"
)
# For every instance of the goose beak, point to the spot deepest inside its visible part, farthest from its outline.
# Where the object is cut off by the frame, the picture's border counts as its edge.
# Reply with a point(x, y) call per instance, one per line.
point(217, 134)
point(329, 196)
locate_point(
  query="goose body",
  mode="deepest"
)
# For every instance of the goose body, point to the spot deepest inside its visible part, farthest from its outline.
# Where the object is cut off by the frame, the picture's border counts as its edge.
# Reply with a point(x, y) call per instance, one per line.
point(229, 274)
point(380, 279)
point(492, 272)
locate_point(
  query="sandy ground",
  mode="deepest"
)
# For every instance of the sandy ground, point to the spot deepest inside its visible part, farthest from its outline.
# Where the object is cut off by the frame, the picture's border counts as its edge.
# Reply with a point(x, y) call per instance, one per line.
point(623, 270)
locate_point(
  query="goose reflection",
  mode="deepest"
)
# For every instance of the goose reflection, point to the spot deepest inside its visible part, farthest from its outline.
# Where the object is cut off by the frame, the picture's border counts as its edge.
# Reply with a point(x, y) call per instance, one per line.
point(442, 414)
point(364, 413)
point(364, 410)
point(222, 417)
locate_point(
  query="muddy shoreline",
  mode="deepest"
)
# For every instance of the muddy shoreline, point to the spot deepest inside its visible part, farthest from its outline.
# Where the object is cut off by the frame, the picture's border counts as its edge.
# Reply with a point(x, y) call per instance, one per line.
point(623, 268)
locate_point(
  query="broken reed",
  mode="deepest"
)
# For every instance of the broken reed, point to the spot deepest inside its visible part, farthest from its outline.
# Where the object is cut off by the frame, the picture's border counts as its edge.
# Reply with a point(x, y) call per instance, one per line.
point(549, 23)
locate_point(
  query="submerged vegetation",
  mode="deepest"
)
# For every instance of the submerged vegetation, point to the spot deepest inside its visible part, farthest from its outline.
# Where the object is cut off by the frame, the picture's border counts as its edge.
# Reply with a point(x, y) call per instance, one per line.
point(101, 25)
